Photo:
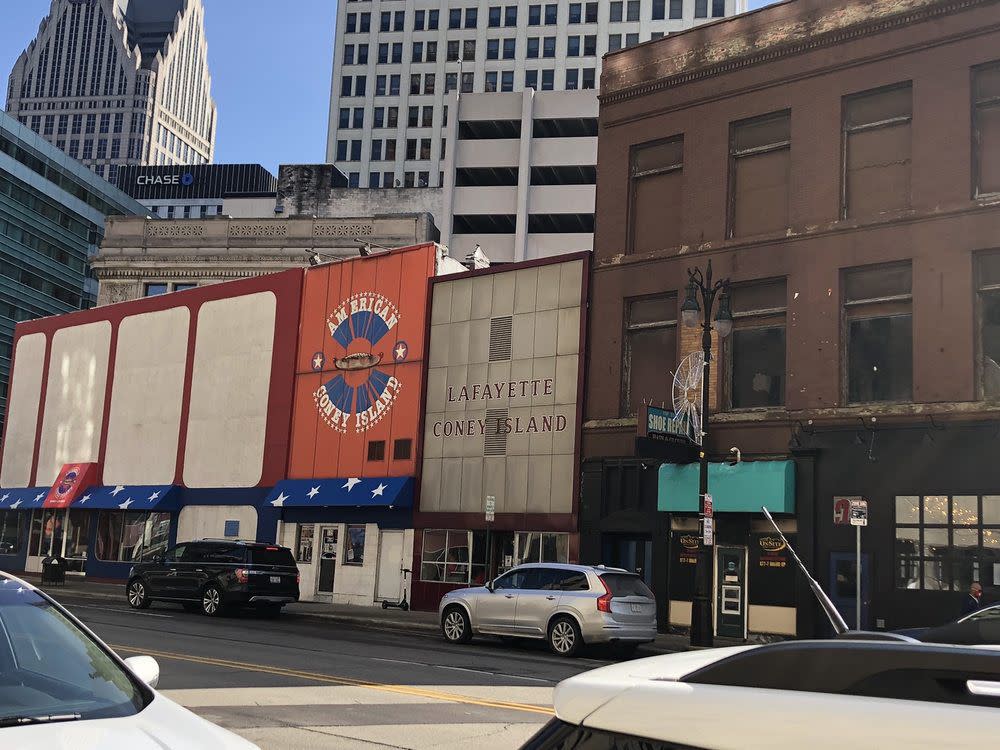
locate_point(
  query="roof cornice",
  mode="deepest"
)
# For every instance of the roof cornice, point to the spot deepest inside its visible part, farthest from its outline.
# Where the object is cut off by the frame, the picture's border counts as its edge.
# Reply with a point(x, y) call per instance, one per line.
point(764, 36)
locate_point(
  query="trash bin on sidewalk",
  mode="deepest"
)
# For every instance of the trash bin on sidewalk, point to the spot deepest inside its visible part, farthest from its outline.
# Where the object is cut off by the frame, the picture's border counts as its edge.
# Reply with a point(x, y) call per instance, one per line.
point(53, 571)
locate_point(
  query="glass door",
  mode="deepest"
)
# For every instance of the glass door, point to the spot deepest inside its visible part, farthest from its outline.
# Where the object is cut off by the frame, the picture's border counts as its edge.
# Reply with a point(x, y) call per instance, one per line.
point(76, 539)
point(46, 536)
point(58, 532)
point(327, 560)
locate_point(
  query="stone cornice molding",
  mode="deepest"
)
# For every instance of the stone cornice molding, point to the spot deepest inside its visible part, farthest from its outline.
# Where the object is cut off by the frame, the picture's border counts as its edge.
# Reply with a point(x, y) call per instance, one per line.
point(710, 52)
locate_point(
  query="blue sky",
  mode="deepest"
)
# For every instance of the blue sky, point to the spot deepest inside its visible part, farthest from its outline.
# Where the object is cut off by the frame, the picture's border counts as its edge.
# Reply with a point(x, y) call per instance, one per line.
point(271, 64)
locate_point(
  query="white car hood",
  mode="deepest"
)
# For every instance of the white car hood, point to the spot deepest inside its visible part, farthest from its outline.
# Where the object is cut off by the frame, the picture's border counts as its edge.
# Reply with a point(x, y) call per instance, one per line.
point(162, 725)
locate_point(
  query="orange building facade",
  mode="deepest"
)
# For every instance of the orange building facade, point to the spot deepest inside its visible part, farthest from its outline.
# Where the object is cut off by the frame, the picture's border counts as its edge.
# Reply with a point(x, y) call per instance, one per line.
point(346, 507)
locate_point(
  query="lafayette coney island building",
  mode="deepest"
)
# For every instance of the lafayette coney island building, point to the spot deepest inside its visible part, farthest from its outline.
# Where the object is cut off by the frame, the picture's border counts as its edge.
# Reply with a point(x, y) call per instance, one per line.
point(501, 423)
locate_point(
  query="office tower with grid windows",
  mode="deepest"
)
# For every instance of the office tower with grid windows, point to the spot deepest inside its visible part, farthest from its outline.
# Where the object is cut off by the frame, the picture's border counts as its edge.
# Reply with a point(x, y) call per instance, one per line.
point(393, 61)
point(119, 82)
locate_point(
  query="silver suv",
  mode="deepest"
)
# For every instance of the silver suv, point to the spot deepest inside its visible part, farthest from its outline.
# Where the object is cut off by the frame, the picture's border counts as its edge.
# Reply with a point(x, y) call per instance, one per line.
point(567, 605)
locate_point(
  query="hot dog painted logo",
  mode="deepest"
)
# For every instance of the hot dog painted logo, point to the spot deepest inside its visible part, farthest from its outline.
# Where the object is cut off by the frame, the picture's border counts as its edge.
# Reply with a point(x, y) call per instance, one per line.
point(360, 394)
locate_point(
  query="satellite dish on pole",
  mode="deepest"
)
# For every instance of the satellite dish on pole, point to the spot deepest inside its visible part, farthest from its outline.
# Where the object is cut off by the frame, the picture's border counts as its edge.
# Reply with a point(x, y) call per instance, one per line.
point(687, 393)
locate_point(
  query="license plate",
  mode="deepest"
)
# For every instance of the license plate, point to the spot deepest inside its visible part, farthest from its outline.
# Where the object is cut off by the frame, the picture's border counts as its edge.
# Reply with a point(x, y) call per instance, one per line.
point(637, 608)
point(277, 579)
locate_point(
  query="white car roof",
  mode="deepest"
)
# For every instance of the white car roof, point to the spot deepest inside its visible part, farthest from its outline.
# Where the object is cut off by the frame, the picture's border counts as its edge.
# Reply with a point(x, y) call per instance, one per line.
point(684, 698)
point(577, 697)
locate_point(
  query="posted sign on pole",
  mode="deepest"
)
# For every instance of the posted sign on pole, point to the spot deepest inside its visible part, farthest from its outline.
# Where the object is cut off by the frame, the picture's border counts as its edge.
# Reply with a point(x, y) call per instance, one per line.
point(707, 532)
point(491, 508)
point(709, 513)
point(859, 512)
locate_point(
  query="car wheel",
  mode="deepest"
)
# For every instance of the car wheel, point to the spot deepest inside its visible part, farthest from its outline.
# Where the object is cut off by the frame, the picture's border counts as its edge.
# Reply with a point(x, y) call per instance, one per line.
point(456, 626)
point(138, 597)
point(565, 638)
point(211, 601)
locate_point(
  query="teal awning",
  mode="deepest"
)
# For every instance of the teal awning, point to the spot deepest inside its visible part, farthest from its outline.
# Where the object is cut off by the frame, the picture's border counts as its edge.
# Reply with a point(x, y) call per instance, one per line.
point(742, 488)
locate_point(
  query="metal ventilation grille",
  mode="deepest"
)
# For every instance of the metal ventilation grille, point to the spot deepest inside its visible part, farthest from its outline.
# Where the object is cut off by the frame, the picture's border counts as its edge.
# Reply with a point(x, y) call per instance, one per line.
point(495, 443)
point(500, 337)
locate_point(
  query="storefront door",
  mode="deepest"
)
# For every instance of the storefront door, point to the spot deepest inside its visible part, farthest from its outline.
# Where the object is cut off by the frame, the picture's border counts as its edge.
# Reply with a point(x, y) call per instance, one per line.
point(327, 559)
point(843, 583)
point(730, 592)
point(630, 553)
point(390, 567)
point(58, 532)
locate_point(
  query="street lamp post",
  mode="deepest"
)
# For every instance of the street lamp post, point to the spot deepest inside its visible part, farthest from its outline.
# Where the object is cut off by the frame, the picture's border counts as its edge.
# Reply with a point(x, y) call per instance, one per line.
point(702, 633)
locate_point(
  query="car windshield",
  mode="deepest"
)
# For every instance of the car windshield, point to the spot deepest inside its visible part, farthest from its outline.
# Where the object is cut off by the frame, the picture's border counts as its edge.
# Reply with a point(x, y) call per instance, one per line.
point(624, 584)
point(50, 667)
point(271, 556)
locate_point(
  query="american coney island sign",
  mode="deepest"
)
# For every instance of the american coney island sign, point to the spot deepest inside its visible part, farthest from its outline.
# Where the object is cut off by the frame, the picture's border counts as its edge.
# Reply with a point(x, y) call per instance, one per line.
point(361, 392)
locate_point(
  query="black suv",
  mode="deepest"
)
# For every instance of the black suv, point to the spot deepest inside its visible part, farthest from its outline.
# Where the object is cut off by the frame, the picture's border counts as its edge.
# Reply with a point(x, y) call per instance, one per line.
point(215, 576)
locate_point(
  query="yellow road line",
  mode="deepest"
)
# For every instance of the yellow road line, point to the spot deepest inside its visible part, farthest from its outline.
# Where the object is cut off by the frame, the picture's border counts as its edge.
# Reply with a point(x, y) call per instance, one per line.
point(317, 677)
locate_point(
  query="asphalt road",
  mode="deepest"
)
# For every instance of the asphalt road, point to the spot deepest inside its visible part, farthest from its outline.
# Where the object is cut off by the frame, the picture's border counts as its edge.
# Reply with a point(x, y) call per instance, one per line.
point(300, 683)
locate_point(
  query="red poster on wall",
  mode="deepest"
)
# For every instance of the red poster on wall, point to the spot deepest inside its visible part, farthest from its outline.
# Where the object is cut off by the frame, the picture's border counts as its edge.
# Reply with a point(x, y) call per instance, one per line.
point(359, 374)
point(73, 479)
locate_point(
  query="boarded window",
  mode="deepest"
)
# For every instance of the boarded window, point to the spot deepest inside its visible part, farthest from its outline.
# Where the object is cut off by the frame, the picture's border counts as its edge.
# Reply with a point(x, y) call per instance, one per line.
point(657, 171)
point(755, 352)
point(988, 279)
point(760, 159)
point(650, 351)
point(878, 319)
point(986, 128)
point(877, 160)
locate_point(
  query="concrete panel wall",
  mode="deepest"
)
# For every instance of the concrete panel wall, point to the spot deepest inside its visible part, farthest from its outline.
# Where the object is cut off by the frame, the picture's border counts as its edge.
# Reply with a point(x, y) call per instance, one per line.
point(74, 399)
point(145, 417)
point(561, 199)
point(22, 411)
point(547, 245)
point(491, 153)
point(503, 424)
point(209, 521)
point(490, 200)
point(229, 392)
point(557, 152)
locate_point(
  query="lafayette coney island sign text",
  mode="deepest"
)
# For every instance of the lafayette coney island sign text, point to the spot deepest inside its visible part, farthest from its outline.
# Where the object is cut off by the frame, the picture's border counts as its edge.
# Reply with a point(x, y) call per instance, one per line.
point(504, 389)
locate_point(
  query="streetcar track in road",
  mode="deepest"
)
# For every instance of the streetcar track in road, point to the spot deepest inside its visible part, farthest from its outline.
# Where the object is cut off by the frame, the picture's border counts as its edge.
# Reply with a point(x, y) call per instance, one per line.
point(416, 691)
point(486, 649)
point(120, 611)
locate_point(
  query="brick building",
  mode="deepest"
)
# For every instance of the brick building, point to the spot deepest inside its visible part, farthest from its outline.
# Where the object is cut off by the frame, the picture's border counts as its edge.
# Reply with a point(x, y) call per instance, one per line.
point(839, 161)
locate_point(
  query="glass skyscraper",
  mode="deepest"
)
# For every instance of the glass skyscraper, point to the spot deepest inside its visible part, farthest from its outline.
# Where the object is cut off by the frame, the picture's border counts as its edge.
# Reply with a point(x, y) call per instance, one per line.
point(52, 212)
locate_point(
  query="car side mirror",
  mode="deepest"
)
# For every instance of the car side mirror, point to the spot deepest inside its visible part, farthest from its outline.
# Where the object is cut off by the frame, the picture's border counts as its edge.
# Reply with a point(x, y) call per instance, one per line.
point(157, 559)
point(490, 587)
point(145, 668)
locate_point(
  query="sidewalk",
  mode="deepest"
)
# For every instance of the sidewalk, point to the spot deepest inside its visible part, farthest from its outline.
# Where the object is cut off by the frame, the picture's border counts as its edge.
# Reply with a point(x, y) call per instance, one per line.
point(372, 618)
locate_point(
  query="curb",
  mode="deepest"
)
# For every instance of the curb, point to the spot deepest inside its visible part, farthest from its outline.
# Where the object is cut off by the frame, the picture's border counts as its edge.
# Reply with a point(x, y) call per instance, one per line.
point(345, 619)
